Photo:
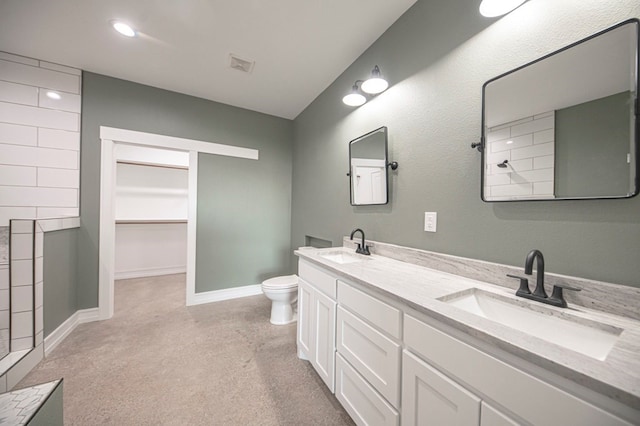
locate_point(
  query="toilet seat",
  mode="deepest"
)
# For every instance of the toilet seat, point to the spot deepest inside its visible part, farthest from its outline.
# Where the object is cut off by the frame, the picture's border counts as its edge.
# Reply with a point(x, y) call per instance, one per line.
point(276, 283)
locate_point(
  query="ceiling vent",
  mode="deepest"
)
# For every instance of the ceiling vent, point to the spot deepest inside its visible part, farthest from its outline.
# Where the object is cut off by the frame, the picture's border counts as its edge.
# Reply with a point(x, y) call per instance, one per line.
point(240, 64)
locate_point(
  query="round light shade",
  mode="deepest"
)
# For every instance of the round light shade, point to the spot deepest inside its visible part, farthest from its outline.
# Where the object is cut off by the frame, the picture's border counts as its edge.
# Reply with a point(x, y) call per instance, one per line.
point(123, 29)
point(354, 99)
point(374, 85)
point(493, 8)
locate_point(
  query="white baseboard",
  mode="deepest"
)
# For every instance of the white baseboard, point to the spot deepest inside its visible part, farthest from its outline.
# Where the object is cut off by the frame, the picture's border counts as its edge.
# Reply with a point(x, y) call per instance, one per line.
point(224, 294)
point(59, 334)
point(149, 272)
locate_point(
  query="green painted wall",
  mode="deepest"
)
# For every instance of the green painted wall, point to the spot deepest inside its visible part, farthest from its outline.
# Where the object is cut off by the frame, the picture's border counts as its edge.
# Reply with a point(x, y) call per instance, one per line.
point(244, 219)
point(107, 101)
point(61, 281)
point(592, 143)
point(437, 56)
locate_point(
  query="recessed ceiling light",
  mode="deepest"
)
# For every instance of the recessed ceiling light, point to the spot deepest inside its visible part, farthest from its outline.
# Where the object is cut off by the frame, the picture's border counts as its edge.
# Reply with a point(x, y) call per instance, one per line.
point(54, 95)
point(123, 28)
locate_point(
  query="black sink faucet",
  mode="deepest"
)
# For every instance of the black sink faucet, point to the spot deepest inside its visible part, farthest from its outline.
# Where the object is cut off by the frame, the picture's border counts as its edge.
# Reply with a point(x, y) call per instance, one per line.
point(362, 248)
point(556, 299)
point(528, 269)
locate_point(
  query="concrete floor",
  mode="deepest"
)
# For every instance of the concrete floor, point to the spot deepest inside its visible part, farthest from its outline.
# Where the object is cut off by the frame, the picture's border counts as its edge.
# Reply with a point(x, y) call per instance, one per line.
point(157, 362)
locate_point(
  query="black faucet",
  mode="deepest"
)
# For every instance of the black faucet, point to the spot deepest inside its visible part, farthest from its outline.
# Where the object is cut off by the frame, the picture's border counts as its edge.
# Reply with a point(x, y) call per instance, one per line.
point(528, 270)
point(556, 299)
point(362, 248)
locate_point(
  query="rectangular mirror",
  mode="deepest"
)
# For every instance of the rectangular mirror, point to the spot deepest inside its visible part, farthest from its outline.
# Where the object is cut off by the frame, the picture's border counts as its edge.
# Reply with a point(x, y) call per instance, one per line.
point(565, 126)
point(368, 168)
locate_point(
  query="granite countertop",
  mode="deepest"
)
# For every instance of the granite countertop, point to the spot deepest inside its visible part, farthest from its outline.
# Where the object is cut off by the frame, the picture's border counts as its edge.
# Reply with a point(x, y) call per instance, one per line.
point(617, 376)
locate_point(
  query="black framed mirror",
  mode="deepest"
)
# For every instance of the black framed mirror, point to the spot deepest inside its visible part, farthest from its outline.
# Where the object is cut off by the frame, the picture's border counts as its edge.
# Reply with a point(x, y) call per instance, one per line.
point(368, 175)
point(566, 125)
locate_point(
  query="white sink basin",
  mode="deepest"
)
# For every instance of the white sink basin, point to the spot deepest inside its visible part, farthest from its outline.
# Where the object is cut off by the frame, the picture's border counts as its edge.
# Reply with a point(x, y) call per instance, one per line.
point(590, 338)
point(342, 257)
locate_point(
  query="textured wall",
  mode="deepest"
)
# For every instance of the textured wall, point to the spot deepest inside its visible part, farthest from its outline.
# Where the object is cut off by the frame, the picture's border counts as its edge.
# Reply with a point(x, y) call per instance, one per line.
point(117, 103)
point(244, 218)
point(437, 57)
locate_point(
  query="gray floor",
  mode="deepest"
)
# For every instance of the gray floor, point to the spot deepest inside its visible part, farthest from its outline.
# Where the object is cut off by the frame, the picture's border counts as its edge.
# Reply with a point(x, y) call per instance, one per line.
point(157, 362)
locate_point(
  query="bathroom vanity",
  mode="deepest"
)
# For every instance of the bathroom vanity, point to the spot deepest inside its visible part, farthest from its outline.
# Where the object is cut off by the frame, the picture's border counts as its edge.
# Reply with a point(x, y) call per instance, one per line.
point(402, 343)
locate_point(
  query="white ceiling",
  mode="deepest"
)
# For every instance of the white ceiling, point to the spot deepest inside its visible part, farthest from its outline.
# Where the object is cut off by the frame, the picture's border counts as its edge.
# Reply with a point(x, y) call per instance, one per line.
point(299, 46)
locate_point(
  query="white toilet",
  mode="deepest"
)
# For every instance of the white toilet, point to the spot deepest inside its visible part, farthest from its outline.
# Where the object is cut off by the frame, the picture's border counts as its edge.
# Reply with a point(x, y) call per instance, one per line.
point(283, 292)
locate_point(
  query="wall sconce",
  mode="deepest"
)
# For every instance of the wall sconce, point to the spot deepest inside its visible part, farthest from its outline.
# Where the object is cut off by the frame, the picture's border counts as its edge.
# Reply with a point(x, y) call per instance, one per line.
point(374, 85)
point(493, 8)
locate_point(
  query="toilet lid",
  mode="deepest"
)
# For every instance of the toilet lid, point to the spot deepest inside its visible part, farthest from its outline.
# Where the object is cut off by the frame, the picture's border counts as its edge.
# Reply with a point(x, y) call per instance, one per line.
point(280, 282)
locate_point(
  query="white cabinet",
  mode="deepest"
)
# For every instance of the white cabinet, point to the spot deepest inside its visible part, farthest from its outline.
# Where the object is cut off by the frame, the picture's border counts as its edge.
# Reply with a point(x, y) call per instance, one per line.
point(305, 317)
point(363, 403)
point(323, 345)
point(490, 416)
point(392, 368)
point(533, 400)
point(375, 356)
point(368, 357)
point(431, 398)
point(317, 322)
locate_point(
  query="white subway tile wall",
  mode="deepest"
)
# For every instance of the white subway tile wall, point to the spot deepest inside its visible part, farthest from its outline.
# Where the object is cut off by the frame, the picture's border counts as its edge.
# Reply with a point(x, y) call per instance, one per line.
point(39, 139)
point(22, 237)
point(528, 145)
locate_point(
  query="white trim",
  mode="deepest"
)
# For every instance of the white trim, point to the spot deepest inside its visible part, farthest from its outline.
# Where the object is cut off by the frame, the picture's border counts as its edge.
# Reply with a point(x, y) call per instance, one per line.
point(106, 256)
point(226, 294)
point(149, 272)
point(151, 139)
point(112, 137)
point(59, 334)
point(192, 228)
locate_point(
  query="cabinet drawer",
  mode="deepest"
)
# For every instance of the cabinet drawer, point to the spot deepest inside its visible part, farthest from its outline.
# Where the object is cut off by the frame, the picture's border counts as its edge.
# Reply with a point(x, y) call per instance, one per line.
point(384, 316)
point(317, 278)
point(371, 353)
point(431, 398)
point(501, 382)
point(360, 399)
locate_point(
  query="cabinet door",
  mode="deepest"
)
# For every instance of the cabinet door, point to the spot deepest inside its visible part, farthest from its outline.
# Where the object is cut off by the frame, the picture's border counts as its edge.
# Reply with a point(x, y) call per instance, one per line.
point(430, 398)
point(324, 339)
point(305, 317)
point(492, 417)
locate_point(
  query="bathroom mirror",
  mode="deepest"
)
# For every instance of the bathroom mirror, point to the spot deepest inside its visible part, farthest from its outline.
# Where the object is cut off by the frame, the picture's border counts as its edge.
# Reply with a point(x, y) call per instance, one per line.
point(368, 168)
point(565, 126)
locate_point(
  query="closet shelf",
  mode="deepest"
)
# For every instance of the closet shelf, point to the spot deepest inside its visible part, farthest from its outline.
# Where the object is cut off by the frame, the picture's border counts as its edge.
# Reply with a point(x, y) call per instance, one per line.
point(136, 221)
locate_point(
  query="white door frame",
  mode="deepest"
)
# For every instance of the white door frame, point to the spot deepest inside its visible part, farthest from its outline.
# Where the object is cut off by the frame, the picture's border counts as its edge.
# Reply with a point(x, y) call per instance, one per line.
point(109, 138)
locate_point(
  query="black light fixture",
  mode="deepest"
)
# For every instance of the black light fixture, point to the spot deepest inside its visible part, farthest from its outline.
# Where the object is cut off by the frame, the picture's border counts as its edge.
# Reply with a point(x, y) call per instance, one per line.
point(373, 85)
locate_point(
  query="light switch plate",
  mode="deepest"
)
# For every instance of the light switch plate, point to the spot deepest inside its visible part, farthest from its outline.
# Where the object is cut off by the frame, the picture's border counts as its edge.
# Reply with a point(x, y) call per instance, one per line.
point(430, 221)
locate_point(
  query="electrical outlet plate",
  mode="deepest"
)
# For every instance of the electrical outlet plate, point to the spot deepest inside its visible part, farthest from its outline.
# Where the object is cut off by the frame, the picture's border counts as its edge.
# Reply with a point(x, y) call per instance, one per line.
point(430, 221)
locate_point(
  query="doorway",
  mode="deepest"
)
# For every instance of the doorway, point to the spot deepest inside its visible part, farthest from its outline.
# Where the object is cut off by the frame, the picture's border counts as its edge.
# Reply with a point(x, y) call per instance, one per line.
point(113, 143)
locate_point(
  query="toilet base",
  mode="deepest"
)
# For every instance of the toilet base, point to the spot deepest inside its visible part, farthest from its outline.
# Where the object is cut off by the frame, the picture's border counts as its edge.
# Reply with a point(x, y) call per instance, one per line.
point(282, 313)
